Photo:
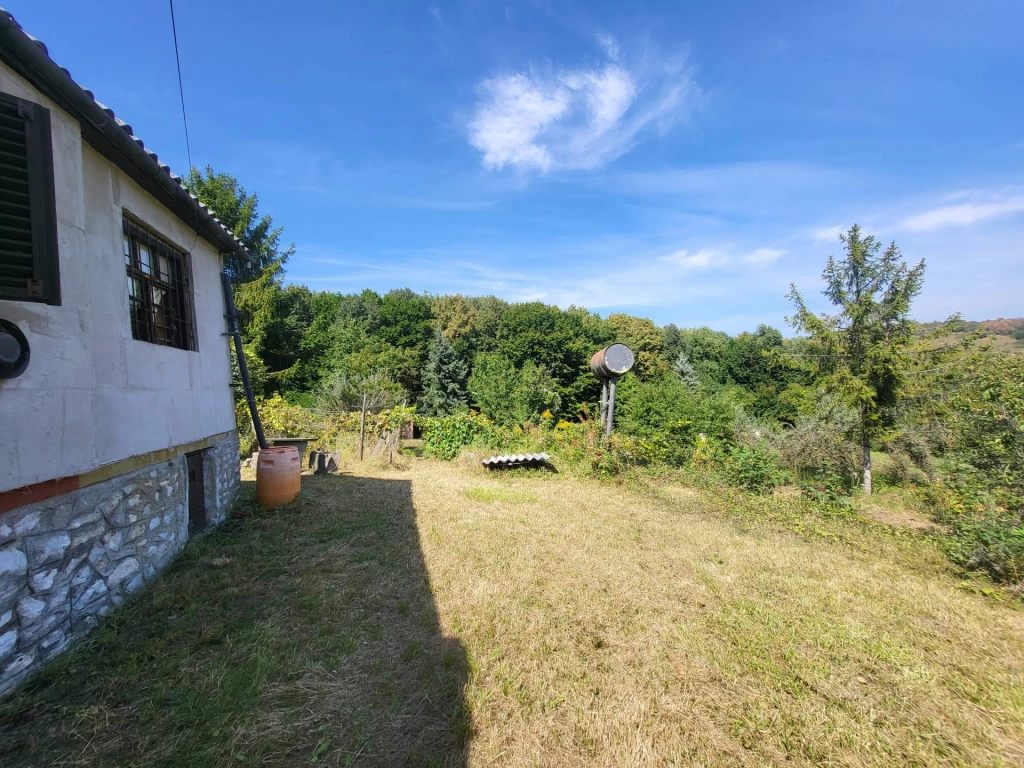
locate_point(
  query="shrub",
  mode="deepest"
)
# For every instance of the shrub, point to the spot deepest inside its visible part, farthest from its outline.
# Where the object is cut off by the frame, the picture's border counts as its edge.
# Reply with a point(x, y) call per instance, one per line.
point(907, 449)
point(280, 419)
point(445, 436)
point(510, 395)
point(584, 448)
point(665, 410)
point(754, 469)
point(981, 496)
point(987, 425)
point(817, 449)
point(993, 543)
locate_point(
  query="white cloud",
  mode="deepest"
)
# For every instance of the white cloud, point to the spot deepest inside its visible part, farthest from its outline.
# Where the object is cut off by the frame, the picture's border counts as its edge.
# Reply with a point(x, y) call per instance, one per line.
point(518, 110)
point(964, 214)
point(578, 119)
point(827, 233)
point(610, 46)
point(698, 260)
point(762, 257)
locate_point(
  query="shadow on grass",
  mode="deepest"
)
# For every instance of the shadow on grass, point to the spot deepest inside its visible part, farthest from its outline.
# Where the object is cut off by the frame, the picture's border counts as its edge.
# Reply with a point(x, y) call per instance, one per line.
point(303, 634)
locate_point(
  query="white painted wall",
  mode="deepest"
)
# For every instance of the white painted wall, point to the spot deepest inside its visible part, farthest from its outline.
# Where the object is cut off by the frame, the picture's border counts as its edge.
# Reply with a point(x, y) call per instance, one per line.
point(92, 394)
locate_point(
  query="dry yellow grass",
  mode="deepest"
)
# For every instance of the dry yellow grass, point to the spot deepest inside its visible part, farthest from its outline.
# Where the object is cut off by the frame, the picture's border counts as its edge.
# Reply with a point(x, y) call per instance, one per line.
point(606, 627)
point(433, 614)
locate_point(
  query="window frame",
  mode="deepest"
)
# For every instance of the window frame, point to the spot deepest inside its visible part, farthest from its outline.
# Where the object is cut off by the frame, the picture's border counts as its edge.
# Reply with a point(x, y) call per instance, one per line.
point(44, 285)
point(175, 326)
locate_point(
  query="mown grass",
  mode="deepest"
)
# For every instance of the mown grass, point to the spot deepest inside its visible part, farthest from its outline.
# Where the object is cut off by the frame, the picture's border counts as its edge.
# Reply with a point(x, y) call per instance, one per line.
point(439, 615)
point(488, 495)
point(293, 634)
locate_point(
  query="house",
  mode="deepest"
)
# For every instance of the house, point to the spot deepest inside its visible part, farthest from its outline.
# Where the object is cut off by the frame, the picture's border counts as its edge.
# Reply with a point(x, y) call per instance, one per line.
point(117, 427)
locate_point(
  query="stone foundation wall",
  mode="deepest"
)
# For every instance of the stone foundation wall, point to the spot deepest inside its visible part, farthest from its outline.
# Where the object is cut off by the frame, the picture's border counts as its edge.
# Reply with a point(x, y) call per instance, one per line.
point(68, 561)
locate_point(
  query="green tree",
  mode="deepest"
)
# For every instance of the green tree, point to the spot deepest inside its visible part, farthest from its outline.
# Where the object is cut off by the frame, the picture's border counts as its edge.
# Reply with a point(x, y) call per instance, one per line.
point(509, 394)
point(239, 212)
point(272, 320)
point(751, 360)
point(707, 350)
point(318, 340)
point(686, 372)
point(402, 322)
point(671, 342)
point(861, 348)
point(560, 343)
point(483, 334)
point(443, 379)
point(758, 363)
point(455, 316)
point(645, 339)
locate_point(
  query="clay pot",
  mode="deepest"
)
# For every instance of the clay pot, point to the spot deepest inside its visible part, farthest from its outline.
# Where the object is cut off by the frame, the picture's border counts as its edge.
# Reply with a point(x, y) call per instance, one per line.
point(278, 476)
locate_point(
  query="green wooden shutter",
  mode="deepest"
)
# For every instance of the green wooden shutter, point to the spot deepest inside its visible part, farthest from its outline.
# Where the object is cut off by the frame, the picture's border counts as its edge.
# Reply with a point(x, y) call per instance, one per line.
point(28, 232)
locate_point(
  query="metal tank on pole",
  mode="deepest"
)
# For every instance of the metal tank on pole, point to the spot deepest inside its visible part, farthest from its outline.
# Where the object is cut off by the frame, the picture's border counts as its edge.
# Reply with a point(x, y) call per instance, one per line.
point(608, 365)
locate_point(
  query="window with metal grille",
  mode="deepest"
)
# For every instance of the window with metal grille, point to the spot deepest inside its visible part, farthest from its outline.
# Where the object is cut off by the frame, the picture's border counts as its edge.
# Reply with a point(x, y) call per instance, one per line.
point(159, 287)
point(28, 217)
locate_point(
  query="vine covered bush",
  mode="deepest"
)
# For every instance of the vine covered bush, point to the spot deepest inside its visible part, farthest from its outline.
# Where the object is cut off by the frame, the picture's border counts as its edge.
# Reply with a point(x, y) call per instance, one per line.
point(445, 436)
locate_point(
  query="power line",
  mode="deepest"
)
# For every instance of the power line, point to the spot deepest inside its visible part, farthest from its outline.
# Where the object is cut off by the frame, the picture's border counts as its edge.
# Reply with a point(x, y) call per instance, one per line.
point(181, 88)
point(184, 119)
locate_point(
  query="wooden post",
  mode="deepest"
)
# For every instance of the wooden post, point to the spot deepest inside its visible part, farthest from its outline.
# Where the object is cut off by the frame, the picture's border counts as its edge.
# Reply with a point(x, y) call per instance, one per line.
point(243, 368)
point(362, 427)
point(395, 436)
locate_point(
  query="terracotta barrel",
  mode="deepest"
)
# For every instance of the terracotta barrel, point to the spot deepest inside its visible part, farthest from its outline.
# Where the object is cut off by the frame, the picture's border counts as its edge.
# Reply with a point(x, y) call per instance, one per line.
point(278, 475)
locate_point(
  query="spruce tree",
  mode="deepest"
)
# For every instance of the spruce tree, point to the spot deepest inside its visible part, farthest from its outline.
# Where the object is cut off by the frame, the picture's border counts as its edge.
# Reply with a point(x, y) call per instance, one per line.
point(861, 349)
point(444, 379)
point(684, 368)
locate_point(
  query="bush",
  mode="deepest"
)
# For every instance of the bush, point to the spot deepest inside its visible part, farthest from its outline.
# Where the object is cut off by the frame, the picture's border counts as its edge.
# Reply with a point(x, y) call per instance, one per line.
point(817, 449)
point(510, 395)
point(671, 417)
point(981, 496)
point(445, 436)
point(754, 469)
point(584, 448)
point(907, 449)
point(993, 543)
point(280, 419)
point(987, 426)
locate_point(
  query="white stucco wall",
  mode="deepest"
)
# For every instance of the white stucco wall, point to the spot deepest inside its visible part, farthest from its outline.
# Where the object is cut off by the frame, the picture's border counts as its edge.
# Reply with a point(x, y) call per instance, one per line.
point(92, 394)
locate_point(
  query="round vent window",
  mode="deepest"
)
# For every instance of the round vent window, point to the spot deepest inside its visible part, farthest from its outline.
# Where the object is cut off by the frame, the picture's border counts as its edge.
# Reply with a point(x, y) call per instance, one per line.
point(14, 352)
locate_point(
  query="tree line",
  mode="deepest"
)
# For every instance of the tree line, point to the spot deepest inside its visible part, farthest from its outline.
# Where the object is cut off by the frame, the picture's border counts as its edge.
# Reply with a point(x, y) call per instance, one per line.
point(855, 381)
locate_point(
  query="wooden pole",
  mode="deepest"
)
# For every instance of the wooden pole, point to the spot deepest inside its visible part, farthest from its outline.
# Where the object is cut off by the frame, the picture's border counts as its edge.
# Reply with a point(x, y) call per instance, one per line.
point(362, 427)
point(396, 435)
point(243, 369)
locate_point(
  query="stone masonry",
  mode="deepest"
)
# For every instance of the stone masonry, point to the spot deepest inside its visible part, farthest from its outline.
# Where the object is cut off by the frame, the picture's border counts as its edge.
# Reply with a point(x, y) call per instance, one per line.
point(68, 561)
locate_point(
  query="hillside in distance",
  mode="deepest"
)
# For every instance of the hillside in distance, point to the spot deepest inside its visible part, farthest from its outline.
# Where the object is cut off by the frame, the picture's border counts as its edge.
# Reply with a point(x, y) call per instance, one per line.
point(1004, 334)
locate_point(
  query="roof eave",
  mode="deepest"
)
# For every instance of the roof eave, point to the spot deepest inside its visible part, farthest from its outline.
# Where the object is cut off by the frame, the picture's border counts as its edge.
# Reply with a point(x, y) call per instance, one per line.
point(111, 137)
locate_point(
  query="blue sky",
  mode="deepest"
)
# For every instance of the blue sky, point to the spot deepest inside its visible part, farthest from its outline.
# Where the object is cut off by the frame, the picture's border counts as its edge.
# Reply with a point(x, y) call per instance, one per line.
point(683, 161)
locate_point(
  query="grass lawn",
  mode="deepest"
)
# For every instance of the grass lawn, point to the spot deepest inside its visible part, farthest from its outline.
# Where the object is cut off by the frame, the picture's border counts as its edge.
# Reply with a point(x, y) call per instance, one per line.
point(435, 615)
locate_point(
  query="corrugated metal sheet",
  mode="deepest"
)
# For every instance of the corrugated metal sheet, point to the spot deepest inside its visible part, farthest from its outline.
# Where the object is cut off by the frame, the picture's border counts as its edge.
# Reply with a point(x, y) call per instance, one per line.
point(515, 460)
